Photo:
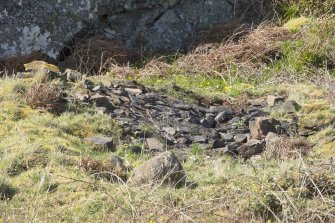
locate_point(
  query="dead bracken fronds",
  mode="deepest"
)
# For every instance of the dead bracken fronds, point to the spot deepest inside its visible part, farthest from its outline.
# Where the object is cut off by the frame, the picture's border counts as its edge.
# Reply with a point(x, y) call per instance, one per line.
point(43, 96)
point(259, 47)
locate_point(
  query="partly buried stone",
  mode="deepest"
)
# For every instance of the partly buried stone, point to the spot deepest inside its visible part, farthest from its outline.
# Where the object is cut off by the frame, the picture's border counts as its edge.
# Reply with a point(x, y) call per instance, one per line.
point(72, 75)
point(219, 143)
point(208, 122)
point(251, 148)
point(261, 126)
point(289, 107)
point(227, 136)
point(273, 100)
point(240, 138)
point(102, 101)
point(117, 165)
point(102, 143)
point(162, 169)
point(154, 144)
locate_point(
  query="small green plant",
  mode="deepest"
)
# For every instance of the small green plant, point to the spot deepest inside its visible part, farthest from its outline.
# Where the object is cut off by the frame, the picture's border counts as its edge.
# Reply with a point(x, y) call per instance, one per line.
point(196, 149)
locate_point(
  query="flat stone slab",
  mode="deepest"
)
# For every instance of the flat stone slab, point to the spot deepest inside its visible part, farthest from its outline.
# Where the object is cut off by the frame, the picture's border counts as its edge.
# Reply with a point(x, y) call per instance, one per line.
point(102, 143)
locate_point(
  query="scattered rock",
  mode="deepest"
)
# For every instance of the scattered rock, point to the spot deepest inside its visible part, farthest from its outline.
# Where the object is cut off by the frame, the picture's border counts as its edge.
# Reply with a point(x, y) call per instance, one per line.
point(208, 122)
point(289, 107)
point(199, 139)
point(251, 148)
point(171, 131)
point(72, 75)
point(102, 101)
point(222, 117)
point(102, 143)
point(227, 136)
point(273, 100)
point(117, 165)
point(162, 169)
point(240, 138)
point(261, 126)
point(219, 143)
point(154, 144)
point(217, 109)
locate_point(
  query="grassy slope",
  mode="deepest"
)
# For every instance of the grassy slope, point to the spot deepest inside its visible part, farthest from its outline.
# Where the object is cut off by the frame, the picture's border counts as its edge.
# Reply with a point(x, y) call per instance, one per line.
point(40, 152)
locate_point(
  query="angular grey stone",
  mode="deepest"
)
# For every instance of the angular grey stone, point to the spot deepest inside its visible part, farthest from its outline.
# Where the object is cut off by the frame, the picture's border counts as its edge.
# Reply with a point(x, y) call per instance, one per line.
point(219, 143)
point(171, 131)
point(217, 109)
point(208, 122)
point(222, 117)
point(162, 169)
point(251, 148)
point(72, 75)
point(227, 136)
point(273, 100)
point(199, 139)
point(261, 126)
point(154, 144)
point(289, 107)
point(240, 138)
point(102, 101)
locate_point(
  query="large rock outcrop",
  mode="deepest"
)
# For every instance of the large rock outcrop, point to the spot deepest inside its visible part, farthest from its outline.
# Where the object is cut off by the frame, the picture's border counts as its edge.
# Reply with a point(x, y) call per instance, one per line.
point(48, 26)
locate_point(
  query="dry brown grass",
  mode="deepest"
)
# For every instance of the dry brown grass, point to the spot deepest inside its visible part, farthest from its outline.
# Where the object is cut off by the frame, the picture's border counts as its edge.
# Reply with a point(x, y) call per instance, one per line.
point(285, 148)
point(96, 54)
point(102, 169)
point(16, 63)
point(44, 96)
point(256, 49)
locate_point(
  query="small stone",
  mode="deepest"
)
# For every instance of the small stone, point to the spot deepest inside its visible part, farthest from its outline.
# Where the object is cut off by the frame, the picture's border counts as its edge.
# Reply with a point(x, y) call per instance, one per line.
point(171, 131)
point(227, 136)
point(222, 117)
point(72, 75)
point(88, 84)
point(183, 141)
point(102, 101)
point(154, 144)
point(256, 102)
point(214, 134)
point(289, 107)
point(240, 138)
point(135, 91)
point(199, 139)
point(101, 110)
point(162, 169)
point(192, 120)
point(208, 122)
point(102, 143)
point(217, 109)
point(261, 126)
point(219, 143)
point(251, 148)
point(135, 149)
point(273, 100)
point(117, 164)
point(230, 148)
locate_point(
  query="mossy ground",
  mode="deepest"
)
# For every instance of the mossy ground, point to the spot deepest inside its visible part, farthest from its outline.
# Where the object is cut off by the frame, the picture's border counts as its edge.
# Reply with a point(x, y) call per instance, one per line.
point(40, 152)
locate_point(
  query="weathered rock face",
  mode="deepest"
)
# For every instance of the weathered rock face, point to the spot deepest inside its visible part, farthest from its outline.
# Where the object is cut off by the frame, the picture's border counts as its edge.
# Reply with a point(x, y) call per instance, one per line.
point(49, 25)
